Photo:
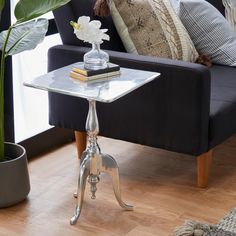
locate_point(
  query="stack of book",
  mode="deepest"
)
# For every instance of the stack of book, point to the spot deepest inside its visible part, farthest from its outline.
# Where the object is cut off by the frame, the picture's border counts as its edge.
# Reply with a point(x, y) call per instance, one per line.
point(79, 72)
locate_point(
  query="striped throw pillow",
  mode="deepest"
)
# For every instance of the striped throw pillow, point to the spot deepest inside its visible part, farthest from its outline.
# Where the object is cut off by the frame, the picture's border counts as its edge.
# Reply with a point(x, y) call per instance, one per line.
point(210, 32)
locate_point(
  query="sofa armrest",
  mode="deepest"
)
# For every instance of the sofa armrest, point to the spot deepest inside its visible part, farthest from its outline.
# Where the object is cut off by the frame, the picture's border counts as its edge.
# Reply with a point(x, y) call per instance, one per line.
point(180, 98)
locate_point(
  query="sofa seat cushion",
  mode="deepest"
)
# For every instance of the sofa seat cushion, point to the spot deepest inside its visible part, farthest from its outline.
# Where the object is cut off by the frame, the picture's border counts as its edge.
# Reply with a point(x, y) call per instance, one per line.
point(223, 104)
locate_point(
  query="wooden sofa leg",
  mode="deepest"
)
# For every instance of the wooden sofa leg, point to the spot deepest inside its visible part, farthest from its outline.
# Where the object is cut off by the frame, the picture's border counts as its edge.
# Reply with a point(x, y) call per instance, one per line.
point(81, 141)
point(203, 168)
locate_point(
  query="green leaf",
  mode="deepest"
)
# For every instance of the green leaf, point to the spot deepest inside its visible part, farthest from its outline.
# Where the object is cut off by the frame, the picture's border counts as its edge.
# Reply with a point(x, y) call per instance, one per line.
point(24, 36)
point(2, 3)
point(29, 9)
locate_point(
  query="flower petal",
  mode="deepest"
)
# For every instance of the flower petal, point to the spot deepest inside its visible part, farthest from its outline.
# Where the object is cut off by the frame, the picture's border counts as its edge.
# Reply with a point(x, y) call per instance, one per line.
point(106, 37)
point(104, 30)
point(95, 23)
point(84, 20)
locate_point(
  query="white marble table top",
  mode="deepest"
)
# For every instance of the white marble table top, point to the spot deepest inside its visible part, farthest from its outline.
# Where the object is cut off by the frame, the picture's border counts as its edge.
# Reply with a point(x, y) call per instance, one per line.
point(102, 90)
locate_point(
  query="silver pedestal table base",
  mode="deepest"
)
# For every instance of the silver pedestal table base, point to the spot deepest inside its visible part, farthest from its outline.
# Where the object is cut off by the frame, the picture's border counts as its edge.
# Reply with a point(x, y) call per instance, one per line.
point(93, 162)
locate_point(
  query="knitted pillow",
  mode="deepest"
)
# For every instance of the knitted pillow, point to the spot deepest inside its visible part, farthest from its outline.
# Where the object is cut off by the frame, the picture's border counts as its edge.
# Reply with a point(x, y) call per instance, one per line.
point(151, 27)
point(230, 12)
point(210, 31)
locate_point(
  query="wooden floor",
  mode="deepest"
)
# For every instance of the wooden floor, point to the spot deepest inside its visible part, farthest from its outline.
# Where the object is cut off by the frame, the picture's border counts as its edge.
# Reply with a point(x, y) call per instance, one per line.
point(160, 184)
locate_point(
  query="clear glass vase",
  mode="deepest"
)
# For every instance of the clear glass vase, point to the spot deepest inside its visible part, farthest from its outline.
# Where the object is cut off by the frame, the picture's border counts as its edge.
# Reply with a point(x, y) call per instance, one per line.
point(96, 58)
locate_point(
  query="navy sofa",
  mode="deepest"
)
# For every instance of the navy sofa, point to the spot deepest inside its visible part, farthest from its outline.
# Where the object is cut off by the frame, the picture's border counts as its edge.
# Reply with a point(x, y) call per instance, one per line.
point(191, 109)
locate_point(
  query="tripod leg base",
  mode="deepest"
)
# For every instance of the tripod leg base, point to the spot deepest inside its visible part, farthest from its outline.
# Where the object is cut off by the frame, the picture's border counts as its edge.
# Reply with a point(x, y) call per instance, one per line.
point(84, 172)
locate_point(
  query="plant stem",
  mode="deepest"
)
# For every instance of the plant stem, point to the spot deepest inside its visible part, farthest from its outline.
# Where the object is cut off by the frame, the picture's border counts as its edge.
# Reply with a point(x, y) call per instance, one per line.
point(3, 57)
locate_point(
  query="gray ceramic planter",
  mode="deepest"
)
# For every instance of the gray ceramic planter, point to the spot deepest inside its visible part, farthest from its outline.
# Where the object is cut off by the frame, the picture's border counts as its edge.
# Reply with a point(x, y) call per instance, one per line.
point(14, 176)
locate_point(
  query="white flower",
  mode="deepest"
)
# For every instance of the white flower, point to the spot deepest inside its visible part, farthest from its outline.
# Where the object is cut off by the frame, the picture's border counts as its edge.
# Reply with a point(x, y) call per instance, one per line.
point(89, 31)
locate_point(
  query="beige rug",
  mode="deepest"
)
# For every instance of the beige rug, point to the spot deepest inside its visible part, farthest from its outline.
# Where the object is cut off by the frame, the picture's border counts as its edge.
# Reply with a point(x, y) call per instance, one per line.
point(225, 227)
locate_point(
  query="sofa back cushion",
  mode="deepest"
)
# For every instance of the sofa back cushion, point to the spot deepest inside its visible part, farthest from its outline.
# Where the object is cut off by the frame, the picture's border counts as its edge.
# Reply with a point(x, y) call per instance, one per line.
point(72, 11)
point(76, 8)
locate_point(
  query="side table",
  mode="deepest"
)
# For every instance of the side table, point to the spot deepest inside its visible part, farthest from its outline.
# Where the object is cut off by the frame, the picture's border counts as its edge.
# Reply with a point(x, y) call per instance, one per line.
point(107, 90)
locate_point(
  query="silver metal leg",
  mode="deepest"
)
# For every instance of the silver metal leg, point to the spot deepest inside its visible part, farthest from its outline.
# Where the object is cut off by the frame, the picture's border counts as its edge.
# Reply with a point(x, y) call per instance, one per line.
point(93, 163)
point(83, 174)
point(83, 156)
point(110, 166)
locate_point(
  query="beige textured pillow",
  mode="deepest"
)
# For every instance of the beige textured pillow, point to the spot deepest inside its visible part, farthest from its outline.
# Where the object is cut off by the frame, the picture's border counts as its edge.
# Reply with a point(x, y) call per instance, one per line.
point(151, 27)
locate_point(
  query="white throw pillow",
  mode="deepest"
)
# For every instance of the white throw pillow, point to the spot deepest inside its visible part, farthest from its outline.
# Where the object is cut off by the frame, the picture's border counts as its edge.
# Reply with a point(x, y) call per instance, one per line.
point(210, 32)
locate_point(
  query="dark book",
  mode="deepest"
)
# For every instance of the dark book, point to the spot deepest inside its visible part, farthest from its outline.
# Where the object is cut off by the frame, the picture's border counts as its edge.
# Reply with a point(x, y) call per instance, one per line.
point(79, 68)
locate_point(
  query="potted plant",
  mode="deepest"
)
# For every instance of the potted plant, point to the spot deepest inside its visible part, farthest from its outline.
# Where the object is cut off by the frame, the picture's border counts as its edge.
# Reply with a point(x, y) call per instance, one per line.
point(25, 34)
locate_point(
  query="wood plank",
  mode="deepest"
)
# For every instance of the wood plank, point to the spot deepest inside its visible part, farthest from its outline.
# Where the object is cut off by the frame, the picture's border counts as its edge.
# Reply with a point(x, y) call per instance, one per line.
point(160, 185)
